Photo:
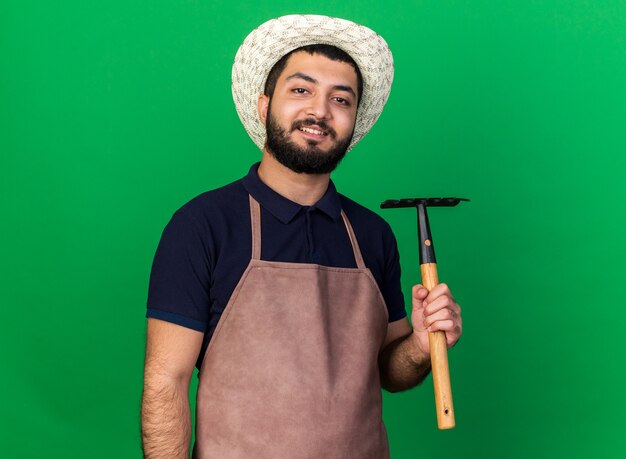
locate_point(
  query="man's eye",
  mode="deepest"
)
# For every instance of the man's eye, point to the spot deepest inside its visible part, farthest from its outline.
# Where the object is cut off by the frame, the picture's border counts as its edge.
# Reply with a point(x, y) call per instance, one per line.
point(342, 101)
point(299, 90)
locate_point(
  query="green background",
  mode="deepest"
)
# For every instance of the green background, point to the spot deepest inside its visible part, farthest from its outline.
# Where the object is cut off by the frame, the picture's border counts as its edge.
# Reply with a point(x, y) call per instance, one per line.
point(114, 114)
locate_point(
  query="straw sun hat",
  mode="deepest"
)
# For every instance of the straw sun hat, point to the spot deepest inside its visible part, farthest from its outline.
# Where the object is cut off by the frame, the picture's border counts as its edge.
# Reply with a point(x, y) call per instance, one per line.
point(266, 44)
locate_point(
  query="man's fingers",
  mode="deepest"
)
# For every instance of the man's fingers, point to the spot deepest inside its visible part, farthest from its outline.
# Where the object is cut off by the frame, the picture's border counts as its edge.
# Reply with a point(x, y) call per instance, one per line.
point(418, 295)
point(442, 302)
point(441, 325)
point(419, 292)
point(445, 314)
point(439, 290)
point(437, 311)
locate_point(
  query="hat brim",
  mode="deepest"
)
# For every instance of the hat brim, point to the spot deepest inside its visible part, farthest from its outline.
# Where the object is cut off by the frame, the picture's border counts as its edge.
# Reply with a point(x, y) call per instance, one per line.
point(268, 43)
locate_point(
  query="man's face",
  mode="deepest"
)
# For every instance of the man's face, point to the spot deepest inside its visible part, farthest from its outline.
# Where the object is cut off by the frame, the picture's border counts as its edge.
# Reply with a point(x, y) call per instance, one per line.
point(310, 117)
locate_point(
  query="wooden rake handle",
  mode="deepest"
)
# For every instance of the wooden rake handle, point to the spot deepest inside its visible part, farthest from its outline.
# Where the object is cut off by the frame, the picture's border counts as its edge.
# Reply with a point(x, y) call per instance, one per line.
point(439, 359)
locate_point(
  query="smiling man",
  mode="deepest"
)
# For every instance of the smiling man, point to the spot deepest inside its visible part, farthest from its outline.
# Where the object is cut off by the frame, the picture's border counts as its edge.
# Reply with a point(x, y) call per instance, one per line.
point(284, 293)
point(316, 83)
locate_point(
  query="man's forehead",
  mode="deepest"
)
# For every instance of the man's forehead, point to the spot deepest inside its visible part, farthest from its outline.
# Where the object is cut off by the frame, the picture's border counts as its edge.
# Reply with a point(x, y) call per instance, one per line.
point(305, 60)
point(302, 55)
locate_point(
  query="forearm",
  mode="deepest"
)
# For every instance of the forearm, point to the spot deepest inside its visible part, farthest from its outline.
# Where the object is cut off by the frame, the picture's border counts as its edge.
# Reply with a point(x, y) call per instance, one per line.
point(402, 365)
point(165, 419)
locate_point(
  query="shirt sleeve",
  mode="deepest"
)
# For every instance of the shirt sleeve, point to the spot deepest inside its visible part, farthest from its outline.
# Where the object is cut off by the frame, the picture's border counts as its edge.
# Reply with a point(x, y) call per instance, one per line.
point(179, 281)
point(391, 287)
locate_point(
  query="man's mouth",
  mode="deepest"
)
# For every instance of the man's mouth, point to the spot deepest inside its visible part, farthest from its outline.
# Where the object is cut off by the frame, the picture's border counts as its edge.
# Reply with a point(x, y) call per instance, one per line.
point(311, 130)
point(314, 129)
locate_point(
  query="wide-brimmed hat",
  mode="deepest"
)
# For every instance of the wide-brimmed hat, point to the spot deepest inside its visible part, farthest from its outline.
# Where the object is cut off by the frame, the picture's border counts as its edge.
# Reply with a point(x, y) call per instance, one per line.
point(266, 44)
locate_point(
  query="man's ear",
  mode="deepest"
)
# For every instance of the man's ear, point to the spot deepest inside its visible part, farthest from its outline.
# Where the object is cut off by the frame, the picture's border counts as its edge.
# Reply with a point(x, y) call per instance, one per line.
point(262, 105)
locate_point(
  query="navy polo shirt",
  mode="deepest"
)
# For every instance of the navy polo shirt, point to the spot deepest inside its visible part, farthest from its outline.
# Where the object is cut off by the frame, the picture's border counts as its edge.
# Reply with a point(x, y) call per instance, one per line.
point(207, 245)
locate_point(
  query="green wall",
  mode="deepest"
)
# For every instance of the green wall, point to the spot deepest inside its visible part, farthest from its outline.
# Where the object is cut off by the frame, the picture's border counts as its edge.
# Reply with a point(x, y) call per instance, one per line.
point(113, 114)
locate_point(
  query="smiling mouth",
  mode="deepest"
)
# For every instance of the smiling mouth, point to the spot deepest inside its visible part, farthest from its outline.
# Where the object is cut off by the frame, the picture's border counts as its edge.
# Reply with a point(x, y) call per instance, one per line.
point(312, 131)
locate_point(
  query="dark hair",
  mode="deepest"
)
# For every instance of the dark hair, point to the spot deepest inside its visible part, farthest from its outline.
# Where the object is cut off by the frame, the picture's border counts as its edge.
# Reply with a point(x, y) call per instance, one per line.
point(329, 51)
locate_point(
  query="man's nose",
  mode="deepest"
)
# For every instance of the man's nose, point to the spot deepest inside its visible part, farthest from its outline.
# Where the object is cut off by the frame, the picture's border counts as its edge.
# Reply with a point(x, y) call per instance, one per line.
point(319, 107)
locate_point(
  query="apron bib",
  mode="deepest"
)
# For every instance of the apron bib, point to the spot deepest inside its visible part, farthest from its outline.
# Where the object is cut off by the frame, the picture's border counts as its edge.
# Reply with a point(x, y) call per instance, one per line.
point(292, 368)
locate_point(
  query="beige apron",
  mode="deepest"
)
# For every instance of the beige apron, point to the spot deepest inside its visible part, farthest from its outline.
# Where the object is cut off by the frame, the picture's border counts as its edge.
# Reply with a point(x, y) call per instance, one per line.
point(292, 368)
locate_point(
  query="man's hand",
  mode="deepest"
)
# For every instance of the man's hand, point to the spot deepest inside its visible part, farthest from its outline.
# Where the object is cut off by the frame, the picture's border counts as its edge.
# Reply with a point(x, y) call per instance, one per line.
point(434, 311)
point(405, 359)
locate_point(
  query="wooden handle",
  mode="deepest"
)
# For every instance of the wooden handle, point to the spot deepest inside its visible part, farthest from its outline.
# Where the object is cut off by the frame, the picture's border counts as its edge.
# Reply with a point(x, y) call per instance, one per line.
point(439, 359)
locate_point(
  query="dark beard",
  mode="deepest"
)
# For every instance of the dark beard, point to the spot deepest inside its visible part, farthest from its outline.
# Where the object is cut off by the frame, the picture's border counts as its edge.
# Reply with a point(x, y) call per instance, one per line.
point(308, 160)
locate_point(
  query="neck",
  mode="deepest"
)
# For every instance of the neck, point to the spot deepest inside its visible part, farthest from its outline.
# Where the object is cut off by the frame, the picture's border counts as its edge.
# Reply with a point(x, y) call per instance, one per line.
point(305, 189)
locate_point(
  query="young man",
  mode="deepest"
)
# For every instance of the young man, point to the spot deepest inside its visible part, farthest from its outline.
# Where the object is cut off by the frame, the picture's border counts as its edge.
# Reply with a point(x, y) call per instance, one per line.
point(284, 293)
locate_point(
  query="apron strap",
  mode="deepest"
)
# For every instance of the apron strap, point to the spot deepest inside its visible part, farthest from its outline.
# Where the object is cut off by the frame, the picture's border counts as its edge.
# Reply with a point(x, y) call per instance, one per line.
point(355, 244)
point(255, 217)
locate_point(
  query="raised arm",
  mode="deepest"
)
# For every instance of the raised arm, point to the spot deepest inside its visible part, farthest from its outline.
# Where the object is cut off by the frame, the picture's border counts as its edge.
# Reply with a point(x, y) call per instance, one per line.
point(171, 354)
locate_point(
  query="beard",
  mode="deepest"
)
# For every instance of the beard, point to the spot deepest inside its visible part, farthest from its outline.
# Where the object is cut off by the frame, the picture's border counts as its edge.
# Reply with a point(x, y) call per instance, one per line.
point(309, 159)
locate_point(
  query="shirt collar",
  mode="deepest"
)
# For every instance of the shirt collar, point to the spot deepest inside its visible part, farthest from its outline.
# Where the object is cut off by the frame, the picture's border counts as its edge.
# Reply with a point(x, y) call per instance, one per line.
point(281, 207)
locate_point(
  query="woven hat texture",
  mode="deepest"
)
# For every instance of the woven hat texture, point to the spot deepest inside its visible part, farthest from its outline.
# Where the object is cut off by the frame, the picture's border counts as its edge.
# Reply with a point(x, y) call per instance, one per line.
point(265, 45)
